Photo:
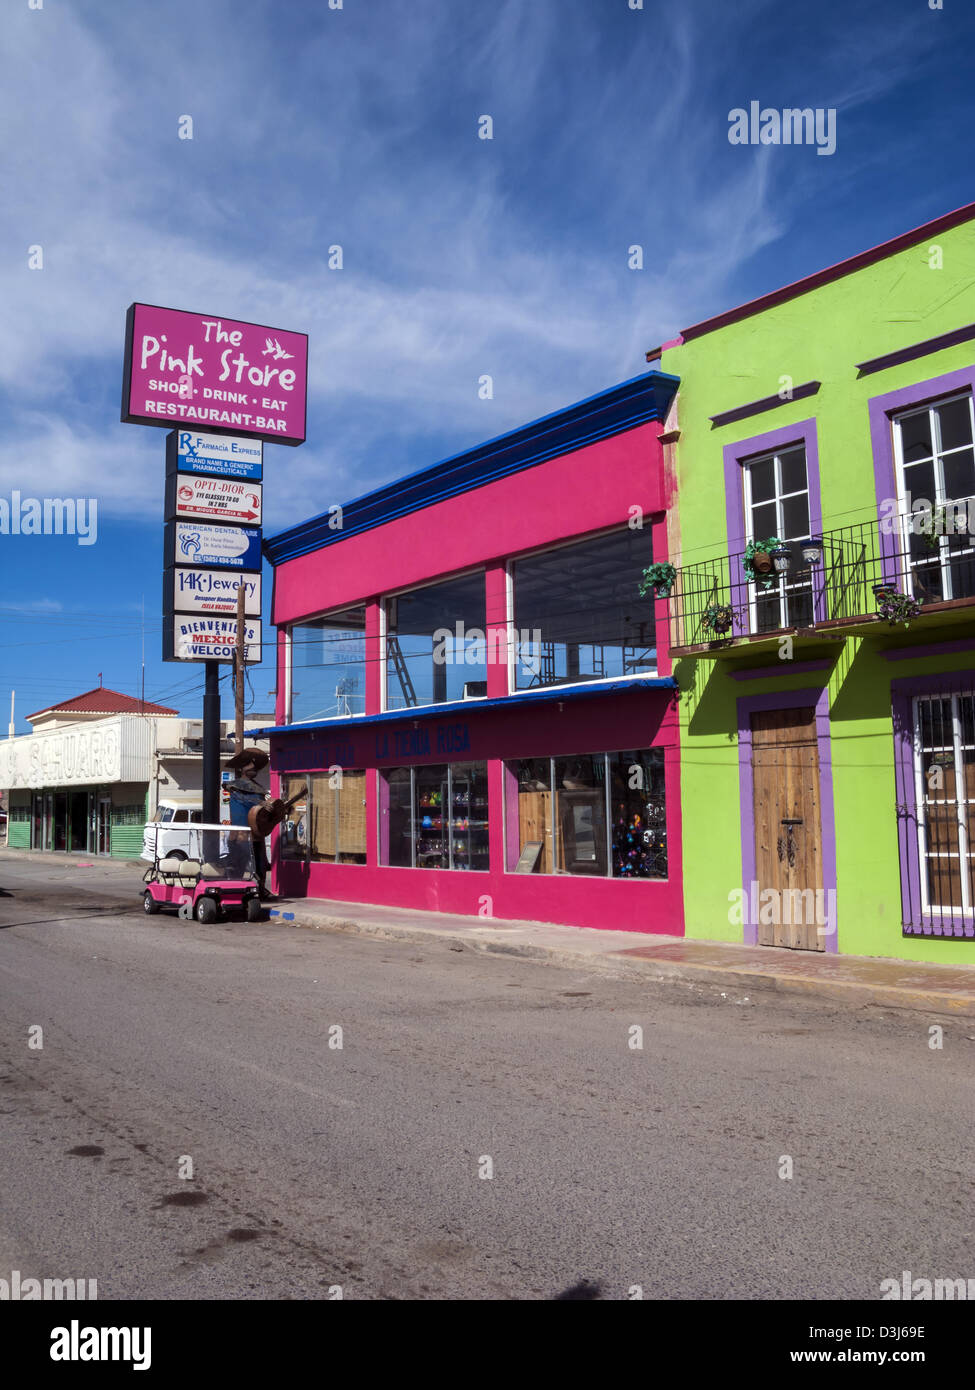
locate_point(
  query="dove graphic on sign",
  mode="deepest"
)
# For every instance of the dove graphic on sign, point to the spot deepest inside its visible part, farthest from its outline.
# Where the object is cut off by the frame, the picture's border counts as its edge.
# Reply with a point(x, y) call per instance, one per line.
point(274, 349)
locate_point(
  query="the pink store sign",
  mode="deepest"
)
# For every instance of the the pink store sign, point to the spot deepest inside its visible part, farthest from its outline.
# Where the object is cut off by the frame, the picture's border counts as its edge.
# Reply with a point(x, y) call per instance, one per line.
point(214, 373)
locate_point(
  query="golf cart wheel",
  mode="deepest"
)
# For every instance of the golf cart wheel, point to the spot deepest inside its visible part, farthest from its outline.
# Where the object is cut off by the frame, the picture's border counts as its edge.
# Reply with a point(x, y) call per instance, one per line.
point(149, 904)
point(206, 911)
point(177, 854)
point(255, 912)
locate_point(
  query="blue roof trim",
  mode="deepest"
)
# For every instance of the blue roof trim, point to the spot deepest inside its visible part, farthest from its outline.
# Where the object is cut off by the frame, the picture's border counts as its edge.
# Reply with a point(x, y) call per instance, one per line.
point(623, 407)
point(526, 697)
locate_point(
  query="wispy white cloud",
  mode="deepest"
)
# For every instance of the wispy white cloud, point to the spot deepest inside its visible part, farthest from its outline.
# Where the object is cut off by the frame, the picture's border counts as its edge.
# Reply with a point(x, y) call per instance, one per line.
point(462, 257)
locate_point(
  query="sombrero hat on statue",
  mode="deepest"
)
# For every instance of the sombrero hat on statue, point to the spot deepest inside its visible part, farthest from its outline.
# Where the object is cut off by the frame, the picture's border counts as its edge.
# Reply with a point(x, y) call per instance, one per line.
point(245, 756)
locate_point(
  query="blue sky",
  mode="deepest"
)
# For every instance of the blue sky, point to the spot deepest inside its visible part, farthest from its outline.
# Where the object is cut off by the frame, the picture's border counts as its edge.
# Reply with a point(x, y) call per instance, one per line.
point(358, 127)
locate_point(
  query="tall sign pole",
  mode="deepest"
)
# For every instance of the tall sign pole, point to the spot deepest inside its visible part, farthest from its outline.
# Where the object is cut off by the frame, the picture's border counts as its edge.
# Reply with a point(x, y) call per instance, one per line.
point(211, 744)
point(223, 387)
point(239, 675)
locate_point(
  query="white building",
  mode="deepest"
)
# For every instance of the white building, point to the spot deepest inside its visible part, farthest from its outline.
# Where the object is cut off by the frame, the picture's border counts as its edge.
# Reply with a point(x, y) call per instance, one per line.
point(96, 767)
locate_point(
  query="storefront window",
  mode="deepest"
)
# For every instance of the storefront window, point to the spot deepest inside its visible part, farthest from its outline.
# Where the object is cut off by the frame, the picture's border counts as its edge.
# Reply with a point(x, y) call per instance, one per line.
point(578, 612)
point(637, 811)
point(293, 835)
point(562, 807)
point(435, 643)
point(328, 666)
point(328, 823)
point(398, 830)
point(436, 817)
point(580, 814)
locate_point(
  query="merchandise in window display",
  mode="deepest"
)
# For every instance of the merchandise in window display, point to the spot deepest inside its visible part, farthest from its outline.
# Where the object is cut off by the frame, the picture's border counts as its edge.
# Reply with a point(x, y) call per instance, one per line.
point(637, 844)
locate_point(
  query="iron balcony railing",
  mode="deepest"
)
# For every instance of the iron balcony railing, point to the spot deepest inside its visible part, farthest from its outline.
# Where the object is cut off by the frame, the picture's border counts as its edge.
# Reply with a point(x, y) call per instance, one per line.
point(714, 600)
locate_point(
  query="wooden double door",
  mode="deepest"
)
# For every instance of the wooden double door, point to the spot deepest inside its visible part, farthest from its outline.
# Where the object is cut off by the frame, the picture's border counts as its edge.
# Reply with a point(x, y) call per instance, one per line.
point(788, 829)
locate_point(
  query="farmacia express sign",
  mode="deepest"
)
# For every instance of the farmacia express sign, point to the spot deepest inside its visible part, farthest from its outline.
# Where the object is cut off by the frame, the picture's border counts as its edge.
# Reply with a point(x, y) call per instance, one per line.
point(212, 373)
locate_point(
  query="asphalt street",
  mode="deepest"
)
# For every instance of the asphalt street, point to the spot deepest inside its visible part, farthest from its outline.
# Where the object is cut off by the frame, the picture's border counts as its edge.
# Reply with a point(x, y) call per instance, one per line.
point(487, 1128)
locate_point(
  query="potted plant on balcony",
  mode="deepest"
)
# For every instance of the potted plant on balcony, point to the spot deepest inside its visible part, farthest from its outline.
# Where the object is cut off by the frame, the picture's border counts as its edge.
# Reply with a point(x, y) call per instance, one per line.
point(895, 607)
point(718, 618)
point(659, 578)
point(931, 539)
point(758, 562)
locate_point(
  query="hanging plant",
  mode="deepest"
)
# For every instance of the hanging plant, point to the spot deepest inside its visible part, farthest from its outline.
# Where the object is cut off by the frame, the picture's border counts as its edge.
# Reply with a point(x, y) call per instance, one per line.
point(718, 618)
point(939, 527)
point(895, 607)
point(659, 578)
point(757, 561)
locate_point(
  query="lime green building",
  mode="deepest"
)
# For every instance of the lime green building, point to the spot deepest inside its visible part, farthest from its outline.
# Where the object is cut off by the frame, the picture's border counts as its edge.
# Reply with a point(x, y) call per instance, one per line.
point(822, 620)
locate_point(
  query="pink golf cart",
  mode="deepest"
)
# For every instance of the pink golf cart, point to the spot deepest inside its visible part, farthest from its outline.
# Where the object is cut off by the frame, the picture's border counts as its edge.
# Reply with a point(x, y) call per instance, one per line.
point(218, 875)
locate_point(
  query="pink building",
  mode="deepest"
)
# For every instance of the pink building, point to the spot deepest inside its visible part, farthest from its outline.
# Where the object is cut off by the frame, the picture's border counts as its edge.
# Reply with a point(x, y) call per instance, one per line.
point(470, 687)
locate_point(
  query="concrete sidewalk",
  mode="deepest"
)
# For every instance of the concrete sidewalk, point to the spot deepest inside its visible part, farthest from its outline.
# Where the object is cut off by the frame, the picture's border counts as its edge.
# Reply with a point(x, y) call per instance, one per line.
point(856, 980)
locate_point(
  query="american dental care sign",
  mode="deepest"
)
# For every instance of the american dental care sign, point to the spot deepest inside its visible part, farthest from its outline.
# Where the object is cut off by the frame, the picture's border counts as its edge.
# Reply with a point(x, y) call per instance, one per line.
point(232, 547)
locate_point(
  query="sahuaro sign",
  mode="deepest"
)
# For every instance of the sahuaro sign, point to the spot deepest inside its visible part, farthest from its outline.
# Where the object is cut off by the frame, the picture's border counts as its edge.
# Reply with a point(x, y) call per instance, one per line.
point(227, 455)
point(188, 638)
point(210, 591)
point(212, 499)
point(210, 373)
point(229, 547)
point(117, 749)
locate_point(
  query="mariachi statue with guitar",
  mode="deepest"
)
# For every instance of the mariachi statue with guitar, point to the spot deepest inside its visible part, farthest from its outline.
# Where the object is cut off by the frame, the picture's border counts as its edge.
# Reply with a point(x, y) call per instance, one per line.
point(251, 807)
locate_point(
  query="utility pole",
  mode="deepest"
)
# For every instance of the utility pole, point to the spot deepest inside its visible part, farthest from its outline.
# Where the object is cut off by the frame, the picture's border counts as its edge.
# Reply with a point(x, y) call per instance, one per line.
point(10, 728)
point(239, 671)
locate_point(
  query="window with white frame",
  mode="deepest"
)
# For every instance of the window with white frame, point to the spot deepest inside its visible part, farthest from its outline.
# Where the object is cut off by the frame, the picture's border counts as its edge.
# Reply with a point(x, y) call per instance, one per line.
point(944, 772)
point(935, 462)
point(777, 505)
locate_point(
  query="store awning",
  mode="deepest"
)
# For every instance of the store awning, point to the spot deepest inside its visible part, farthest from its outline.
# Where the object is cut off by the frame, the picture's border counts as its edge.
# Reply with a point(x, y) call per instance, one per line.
point(553, 694)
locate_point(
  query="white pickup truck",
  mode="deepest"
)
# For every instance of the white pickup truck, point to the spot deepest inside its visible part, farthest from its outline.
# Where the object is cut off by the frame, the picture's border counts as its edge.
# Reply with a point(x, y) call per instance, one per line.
point(167, 832)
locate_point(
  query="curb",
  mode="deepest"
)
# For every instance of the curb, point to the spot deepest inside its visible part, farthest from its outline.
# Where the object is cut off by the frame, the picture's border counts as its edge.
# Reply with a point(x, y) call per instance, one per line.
point(619, 965)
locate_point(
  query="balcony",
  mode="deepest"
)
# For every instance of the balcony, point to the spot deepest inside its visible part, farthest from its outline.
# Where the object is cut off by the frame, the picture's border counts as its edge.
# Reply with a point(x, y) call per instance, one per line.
point(827, 591)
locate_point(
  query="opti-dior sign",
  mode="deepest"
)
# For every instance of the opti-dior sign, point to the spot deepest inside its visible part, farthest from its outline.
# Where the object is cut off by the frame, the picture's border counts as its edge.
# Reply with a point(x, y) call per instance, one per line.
point(213, 499)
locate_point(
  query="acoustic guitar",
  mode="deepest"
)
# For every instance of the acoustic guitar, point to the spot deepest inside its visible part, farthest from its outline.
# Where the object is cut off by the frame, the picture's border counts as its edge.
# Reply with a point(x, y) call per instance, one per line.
point(263, 819)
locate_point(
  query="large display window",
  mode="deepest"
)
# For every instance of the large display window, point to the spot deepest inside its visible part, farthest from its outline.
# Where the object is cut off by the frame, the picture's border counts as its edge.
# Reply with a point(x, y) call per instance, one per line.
point(598, 814)
point(435, 817)
point(578, 613)
point(436, 649)
point(328, 666)
point(328, 823)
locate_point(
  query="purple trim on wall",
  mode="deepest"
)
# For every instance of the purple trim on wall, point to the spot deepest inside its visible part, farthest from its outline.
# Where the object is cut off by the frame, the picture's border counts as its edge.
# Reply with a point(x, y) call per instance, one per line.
point(903, 689)
point(916, 350)
point(802, 432)
point(881, 408)
point(818, 696)
point(782, 668)
point(742, 412)
point(966, 644)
